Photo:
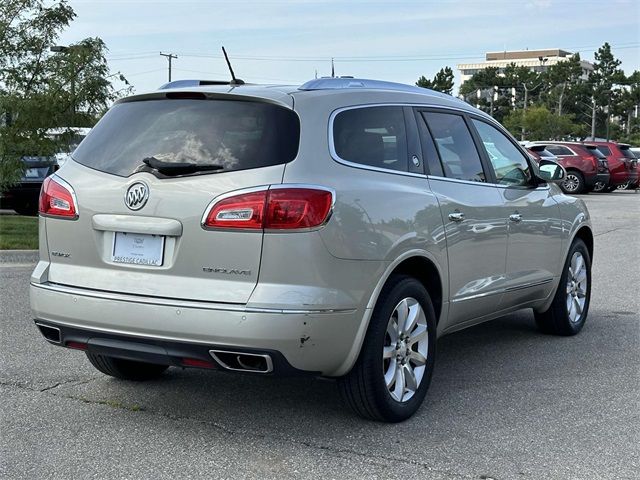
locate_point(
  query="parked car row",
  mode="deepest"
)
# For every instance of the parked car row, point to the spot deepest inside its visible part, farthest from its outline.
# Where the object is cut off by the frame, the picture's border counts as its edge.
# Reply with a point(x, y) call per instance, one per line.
point(23, 196)
point(593, 166)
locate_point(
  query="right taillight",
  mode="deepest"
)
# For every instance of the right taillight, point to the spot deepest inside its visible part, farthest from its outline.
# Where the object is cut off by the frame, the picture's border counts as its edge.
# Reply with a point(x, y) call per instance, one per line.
point(280, 208)
point(57, 199)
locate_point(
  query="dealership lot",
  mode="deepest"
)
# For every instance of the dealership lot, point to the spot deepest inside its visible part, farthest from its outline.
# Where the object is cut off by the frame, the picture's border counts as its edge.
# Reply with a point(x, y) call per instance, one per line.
point(505, 402)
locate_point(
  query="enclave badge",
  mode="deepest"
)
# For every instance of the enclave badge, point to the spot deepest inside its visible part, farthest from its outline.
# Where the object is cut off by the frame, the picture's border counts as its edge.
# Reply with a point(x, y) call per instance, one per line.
point(136, 196)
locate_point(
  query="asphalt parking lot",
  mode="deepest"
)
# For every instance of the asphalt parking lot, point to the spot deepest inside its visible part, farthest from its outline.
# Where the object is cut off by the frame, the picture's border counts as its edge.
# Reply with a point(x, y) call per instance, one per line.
point(506, 402)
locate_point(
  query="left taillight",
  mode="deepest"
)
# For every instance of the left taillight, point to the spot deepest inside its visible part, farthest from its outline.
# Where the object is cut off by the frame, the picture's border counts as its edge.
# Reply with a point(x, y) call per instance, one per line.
point(57, 199)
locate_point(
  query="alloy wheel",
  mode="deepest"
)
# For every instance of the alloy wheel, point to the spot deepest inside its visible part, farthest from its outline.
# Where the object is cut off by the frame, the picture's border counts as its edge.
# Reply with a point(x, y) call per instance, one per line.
point(405, 350)
point(571, 183)
point(577, 284)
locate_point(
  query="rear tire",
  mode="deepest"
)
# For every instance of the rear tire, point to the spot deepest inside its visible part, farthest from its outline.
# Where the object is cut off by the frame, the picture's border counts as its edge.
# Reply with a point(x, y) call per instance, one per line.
point(599, 187)
point(126, 369)
point(392, 374)
point(610, 188)
point(570, 306)
point(573, 183)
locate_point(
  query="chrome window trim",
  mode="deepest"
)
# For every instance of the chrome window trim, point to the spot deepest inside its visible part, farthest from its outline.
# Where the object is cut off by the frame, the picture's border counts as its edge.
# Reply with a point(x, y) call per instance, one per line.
point(459, 111)
point(338, 159)
point(170, 302)
point(458, 180)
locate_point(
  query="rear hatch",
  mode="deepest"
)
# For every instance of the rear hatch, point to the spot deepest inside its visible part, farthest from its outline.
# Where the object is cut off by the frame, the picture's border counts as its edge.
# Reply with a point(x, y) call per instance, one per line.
point(630, 159)
point(599, 157)
point(138, 228)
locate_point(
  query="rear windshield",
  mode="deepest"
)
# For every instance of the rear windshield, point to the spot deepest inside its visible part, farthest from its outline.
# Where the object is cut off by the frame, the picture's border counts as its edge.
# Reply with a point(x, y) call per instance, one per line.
point(236, 135)
point(626, 152)
point(595, 151)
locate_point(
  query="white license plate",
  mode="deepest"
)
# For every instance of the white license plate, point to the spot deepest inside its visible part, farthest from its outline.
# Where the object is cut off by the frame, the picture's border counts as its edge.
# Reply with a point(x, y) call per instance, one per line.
point(138, 249)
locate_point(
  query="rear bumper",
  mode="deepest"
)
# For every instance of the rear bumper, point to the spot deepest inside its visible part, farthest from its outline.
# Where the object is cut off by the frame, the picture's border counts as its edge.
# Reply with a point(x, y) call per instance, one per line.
point(313, 341)
point(590, 181)
point(619, 177)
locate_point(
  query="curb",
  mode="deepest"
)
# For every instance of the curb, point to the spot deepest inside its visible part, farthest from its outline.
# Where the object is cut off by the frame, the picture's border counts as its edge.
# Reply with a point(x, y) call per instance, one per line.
point(19, 256)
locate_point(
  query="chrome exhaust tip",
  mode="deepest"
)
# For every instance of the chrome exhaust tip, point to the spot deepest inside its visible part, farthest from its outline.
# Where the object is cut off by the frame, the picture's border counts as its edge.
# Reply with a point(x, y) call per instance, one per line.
point(243, 361)
point(52, 334)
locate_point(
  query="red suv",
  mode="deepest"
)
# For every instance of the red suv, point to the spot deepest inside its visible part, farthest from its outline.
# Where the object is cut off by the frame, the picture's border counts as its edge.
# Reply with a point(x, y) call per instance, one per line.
point(622, 164)
point(586, 166)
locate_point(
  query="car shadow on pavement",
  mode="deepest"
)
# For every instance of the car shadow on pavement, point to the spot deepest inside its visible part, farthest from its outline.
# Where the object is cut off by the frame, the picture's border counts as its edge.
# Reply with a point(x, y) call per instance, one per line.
point(482, 373)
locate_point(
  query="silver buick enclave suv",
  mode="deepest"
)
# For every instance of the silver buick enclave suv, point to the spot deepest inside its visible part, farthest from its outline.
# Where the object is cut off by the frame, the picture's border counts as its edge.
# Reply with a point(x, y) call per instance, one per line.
point(333, 229)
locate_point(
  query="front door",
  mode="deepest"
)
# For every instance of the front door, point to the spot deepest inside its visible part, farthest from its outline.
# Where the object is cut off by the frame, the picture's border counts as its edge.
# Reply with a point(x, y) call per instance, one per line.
point(534, 225)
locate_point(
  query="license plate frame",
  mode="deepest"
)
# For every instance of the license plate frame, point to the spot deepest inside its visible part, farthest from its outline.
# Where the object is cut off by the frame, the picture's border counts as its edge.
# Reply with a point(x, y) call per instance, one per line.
point(141, 249)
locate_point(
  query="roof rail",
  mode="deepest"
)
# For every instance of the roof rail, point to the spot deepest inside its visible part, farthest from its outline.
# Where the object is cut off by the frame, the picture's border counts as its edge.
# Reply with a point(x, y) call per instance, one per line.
point(350, 82)
point(192, 83)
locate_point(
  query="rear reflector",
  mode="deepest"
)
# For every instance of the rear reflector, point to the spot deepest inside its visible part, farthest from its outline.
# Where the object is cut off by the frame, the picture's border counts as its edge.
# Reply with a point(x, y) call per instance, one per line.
point(196, 362)
point(76, 345)
point(57, 199)
point(288, 208)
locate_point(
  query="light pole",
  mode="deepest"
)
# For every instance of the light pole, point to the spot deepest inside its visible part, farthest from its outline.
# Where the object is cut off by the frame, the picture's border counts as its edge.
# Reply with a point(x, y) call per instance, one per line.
point(65, 49)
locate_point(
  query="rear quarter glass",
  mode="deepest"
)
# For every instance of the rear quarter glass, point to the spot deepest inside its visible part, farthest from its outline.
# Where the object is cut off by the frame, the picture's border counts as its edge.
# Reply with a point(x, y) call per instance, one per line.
point(236, 135)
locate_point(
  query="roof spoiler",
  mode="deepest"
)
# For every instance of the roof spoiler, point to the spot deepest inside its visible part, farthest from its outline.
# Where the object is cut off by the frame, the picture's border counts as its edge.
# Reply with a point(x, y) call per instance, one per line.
point(193, 83)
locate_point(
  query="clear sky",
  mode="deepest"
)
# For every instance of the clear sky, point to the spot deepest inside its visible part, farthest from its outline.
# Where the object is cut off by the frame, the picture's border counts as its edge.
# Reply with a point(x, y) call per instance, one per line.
point(288, 41)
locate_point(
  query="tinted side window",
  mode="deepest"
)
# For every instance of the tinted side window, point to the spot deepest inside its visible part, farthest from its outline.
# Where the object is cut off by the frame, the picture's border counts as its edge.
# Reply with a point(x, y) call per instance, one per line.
point(559, 150)
point(627, 153)
point(374, 136)
point(510, 165)
point(458, 153)
point(605, 150)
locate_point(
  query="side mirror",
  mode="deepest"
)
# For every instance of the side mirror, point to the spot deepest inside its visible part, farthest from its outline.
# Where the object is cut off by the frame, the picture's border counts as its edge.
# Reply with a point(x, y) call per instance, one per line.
point(550, 171)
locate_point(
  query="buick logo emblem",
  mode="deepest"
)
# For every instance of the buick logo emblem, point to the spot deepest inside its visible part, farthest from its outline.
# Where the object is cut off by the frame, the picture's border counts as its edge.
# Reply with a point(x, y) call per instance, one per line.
point(136, 196)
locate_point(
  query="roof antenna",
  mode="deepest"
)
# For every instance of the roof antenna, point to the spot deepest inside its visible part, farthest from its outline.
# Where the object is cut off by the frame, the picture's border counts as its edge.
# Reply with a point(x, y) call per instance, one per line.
point(234, 80)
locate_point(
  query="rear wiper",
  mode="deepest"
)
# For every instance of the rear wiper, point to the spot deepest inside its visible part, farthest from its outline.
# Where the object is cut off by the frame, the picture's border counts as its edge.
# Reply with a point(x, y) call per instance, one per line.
point(179, 168)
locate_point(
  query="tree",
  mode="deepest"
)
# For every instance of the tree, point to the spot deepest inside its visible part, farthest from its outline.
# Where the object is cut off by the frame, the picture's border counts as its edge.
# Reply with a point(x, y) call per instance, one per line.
point(604, 81)
point(487, 90)
point(442, 82)
point(41, 90)
point(538, 123)
point(628, 102)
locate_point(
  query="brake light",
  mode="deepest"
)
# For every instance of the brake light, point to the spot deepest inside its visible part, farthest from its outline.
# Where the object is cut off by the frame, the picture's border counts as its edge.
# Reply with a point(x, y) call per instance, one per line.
point(57, 199)
point(245, 210)
point(286, 208)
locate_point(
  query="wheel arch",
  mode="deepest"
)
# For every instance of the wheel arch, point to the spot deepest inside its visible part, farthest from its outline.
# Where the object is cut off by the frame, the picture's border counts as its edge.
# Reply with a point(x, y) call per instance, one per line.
point(585, 234)
point(418, 264)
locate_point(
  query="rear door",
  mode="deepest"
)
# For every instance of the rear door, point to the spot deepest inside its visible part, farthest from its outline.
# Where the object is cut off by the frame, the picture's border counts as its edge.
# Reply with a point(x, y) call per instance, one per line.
point(472, 212)
point(139, 230)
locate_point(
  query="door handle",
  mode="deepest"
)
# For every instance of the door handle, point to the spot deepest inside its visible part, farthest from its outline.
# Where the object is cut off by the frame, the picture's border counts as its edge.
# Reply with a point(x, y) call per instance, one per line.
point(456, 216)
point(515, 217)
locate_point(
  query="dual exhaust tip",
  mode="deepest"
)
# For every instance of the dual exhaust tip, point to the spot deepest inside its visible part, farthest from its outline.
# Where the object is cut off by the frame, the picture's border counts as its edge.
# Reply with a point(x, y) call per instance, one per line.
point(243, 361)
point(235, 361)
